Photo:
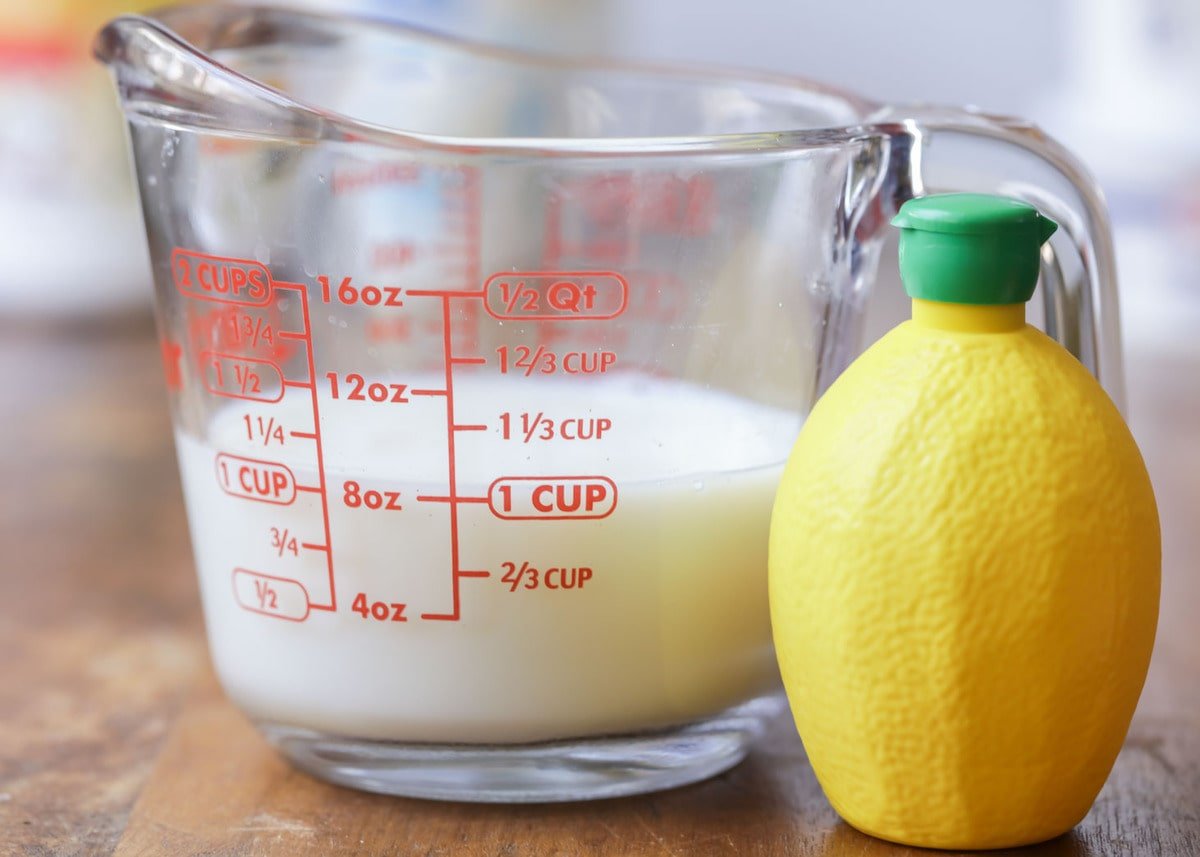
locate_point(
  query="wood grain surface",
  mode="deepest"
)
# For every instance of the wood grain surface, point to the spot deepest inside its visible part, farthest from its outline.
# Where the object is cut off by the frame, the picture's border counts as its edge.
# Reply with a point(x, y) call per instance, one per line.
point(114, 737)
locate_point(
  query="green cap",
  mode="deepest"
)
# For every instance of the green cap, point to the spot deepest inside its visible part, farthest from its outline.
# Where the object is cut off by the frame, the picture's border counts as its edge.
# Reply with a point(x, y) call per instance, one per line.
point(970, 248)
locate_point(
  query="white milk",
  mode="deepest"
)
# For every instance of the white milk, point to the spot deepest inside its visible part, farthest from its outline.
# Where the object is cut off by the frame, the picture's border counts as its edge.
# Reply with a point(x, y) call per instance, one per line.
point(672, 624)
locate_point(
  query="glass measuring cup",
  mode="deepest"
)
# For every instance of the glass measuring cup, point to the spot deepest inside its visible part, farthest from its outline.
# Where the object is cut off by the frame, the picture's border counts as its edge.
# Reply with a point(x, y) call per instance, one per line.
point(483, 368)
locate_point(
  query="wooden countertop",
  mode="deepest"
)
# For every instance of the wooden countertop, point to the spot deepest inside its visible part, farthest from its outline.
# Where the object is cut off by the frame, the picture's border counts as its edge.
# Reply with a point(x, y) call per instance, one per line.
point(115, 738)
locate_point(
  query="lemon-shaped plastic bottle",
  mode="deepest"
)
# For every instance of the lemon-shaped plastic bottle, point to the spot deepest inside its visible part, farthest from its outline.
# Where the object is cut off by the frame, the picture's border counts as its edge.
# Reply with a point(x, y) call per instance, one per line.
point(964, 556)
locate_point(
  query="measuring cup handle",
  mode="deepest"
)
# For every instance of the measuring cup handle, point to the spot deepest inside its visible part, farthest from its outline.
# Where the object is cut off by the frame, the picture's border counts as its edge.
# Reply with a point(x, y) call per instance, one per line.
point(955, 149)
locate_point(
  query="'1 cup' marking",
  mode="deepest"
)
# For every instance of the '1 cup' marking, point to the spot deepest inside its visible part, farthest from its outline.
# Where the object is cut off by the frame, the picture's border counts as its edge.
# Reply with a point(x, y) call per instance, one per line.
point(552, 498)
point(255, 479)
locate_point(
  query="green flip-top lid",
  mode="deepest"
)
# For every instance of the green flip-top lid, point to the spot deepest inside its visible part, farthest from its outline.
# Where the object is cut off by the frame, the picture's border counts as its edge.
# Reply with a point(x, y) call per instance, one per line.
point(970, 248)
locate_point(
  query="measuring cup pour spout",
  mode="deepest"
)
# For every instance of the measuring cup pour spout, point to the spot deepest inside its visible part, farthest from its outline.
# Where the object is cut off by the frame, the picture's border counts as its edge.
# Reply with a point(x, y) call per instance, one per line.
point(162, 76)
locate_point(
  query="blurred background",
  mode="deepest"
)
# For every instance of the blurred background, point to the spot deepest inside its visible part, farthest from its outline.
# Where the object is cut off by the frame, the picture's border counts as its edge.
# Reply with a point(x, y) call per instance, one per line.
point(1113, 79)
point(1116, 80)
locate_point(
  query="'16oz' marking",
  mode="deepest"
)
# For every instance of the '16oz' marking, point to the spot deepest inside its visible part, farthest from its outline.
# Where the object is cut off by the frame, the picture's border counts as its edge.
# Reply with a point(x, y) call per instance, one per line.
point(348, 294)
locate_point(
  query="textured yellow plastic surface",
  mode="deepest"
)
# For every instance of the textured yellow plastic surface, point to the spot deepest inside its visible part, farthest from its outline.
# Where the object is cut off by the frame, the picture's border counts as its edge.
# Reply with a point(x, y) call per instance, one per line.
point(964, 581)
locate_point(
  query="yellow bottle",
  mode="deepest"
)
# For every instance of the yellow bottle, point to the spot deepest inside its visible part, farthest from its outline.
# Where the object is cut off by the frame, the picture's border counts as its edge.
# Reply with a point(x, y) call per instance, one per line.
point(964, 557)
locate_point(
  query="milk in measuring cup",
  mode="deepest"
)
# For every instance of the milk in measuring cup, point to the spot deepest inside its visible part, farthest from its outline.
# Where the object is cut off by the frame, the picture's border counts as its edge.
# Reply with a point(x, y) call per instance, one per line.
point(654, 614)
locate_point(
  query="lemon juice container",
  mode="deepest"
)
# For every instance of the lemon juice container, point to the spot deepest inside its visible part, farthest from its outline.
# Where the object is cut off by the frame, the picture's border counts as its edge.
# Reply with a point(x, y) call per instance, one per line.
point(964, 556)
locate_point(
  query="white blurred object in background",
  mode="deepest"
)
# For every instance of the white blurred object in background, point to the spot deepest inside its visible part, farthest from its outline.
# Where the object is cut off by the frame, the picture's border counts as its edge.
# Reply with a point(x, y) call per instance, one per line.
point(1123, 76)
point(557, 26)
point(1130, 107)
point(1129, 104)
point(71, 239)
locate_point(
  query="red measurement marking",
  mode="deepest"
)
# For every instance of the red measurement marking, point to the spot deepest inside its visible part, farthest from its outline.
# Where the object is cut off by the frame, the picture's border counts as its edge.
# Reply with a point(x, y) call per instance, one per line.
point(284, 542)
point(529, 427)
point(236, 329)
point(172, 352)
point(225, 146)
point(679, 206)
point(356, 388)
point(393, 254)
point(433, 498)
point(468, 221)
point(217, 278)
point(264, 429)
point(457, 573)
point(552, 498)
point(238, 377)
point(241, 330)
point(348, 294)
point(380, 611)
point(445, 293)
point(591, 217)
point(354, 496)
point(526, 576)
point(268, 595)
point(452, 475)
point(351, 180)
point(556, 295)
point(319, 449)
point(385, 329)
point(255, 479)
point(543, 361)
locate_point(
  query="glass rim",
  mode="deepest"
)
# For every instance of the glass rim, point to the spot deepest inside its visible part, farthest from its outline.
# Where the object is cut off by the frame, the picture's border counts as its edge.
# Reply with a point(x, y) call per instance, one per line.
point(170, 31)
